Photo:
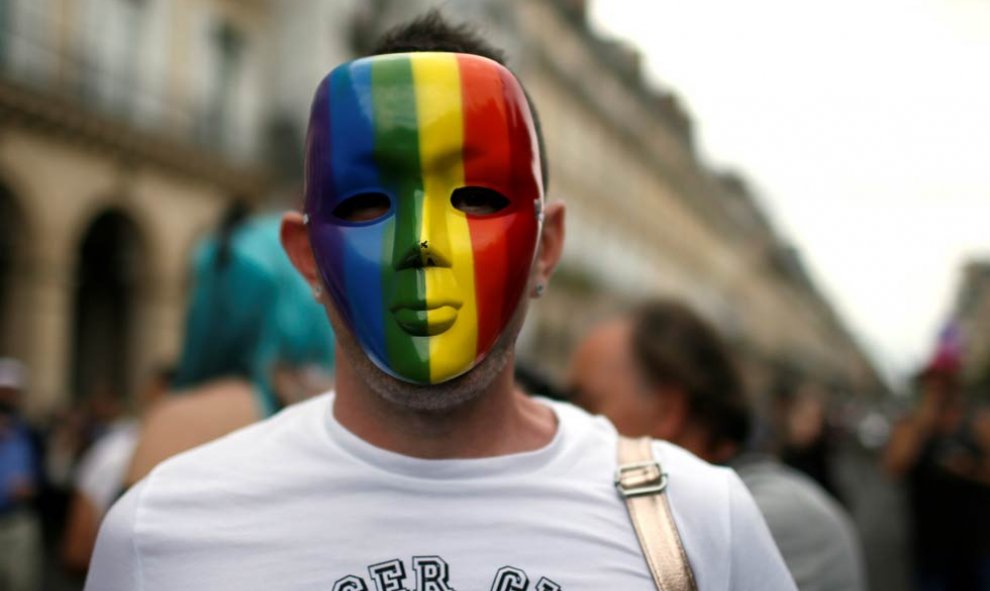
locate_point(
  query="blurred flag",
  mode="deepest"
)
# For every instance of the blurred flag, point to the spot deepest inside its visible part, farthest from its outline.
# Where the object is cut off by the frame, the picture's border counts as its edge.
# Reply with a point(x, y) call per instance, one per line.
point(947, 358)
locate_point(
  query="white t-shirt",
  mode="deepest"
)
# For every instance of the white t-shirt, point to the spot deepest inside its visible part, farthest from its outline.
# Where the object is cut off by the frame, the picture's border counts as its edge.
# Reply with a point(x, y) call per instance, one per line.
point(299, 503)
point(101, 472)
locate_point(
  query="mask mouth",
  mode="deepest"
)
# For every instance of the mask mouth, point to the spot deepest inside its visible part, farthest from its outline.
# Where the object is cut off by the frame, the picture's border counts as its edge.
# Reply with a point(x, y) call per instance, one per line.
point(426, 319)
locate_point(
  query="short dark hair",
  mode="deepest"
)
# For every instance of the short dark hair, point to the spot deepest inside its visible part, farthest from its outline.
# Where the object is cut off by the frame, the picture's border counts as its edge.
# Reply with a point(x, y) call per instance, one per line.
point(675, 347)
point(433, 32)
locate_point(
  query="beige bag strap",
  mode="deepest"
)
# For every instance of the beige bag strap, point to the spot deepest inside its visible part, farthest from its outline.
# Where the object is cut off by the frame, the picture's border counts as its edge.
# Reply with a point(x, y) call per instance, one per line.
point(642, 484)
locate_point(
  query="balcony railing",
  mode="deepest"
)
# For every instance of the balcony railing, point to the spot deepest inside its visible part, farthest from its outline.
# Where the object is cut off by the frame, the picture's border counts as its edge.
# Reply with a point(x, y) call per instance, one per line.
point(40, 55)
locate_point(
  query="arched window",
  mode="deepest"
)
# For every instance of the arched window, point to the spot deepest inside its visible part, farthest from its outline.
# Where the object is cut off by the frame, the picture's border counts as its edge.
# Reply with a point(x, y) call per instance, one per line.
point(12, 247)
point(107, 277)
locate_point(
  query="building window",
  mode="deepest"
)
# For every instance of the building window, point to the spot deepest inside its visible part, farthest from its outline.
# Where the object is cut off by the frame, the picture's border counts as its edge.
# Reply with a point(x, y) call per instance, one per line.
point(113, 35)
point(227, 45)
point(133, 19)
point(28, 48)
point(5, 30)
point(108, 283)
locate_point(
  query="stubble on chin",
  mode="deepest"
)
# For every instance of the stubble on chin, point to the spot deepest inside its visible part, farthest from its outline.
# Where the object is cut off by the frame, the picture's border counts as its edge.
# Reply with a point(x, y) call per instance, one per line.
point(436, 398)
point(439, 398)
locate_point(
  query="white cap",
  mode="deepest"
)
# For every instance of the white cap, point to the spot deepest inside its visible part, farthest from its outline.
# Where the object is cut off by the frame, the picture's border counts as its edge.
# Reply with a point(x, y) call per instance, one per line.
point(12, 373)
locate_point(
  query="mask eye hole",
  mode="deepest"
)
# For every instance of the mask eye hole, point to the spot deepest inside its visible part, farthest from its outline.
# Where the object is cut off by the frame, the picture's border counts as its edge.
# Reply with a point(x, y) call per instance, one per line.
point(478, 200)
point(363, 207)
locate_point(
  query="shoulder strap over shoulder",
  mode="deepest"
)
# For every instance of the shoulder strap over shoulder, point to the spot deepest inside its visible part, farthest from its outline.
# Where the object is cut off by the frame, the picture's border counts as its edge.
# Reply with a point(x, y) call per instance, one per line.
point(642, 483)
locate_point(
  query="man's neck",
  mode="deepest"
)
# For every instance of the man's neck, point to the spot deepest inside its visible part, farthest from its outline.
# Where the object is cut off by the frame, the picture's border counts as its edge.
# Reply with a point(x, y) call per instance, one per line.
point(500, 420)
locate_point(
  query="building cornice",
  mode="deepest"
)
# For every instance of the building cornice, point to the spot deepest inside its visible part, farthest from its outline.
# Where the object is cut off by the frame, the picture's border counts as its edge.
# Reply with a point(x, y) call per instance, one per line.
point(55, 114)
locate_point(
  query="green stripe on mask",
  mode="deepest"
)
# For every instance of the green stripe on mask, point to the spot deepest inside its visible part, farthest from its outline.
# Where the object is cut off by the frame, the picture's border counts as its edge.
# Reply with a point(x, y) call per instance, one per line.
point(397, 155)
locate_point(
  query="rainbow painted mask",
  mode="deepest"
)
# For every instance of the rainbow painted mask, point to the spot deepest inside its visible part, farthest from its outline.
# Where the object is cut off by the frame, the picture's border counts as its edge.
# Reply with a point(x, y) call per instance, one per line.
point(424, 201)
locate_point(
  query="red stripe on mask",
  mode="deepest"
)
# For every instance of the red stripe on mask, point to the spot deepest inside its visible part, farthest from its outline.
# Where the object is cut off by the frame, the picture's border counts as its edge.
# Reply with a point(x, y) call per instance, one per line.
point(498, 153)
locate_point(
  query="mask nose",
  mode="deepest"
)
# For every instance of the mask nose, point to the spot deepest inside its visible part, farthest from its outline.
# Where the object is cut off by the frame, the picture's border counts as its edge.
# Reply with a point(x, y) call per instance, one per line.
point(431, 246)
point(421, 255)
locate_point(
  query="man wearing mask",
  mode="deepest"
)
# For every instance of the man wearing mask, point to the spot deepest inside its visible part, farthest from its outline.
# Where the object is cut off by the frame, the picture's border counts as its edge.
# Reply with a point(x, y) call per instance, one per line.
point(425, 234)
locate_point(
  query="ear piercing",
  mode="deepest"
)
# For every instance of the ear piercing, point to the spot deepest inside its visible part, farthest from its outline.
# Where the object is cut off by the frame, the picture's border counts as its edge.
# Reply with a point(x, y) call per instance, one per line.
point(540, 288)
point(317, 292)
point(305, 219)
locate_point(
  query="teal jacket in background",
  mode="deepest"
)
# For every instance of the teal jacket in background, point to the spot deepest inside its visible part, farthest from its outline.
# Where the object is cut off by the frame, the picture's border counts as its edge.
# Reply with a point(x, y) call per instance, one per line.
point(250, 312)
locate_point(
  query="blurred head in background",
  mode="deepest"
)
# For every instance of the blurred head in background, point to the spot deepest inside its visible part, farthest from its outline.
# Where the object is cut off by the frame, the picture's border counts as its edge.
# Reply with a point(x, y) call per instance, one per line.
point(940, 384)
point(252, 317)
point(12, 379)
point(664, 372)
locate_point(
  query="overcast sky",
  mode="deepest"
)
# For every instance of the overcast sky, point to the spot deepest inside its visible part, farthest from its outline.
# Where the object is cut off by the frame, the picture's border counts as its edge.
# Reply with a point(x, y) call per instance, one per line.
point(864, 126)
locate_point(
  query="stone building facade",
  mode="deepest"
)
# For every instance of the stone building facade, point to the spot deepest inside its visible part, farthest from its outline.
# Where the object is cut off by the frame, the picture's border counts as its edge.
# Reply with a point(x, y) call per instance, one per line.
point(127, 128)
point(972, 315)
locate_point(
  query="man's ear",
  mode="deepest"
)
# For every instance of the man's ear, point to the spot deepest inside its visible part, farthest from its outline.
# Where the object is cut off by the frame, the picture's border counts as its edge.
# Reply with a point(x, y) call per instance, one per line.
point(295, 241)
point(551, 245)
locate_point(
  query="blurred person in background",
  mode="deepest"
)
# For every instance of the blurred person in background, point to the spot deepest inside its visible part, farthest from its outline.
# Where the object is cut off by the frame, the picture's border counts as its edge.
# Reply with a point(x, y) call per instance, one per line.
point(981, 437)
point(20, 531)
point(255, 341)
point(99, 476)
point(70, 434)
point(805, 437)
point(664, 372)
point(942, 451)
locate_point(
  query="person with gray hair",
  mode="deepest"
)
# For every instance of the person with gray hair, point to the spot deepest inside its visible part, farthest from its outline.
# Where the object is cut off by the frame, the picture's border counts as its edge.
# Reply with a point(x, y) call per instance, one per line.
point(664, 371)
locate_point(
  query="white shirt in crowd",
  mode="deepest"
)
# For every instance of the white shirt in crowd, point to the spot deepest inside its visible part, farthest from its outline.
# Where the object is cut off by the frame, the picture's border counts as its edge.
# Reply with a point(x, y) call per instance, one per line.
point(299, 503)
point(101, 472)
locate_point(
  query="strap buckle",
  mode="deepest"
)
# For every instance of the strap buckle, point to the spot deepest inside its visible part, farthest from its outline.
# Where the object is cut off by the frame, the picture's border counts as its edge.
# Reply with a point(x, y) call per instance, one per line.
point(640, 479)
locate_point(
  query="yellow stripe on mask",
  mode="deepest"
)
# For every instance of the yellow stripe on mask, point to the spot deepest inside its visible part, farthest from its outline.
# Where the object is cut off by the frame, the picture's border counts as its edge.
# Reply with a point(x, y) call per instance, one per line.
point(445, 230)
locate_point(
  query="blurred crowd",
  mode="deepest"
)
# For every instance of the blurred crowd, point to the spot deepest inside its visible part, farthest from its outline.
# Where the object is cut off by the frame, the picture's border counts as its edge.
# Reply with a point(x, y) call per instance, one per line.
point(659, 370)
point(242, 359)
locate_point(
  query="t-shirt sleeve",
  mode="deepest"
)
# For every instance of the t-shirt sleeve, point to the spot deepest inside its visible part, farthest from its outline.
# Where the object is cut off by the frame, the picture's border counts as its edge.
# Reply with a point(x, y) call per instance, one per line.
point(116, 565)
point(756, 561)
